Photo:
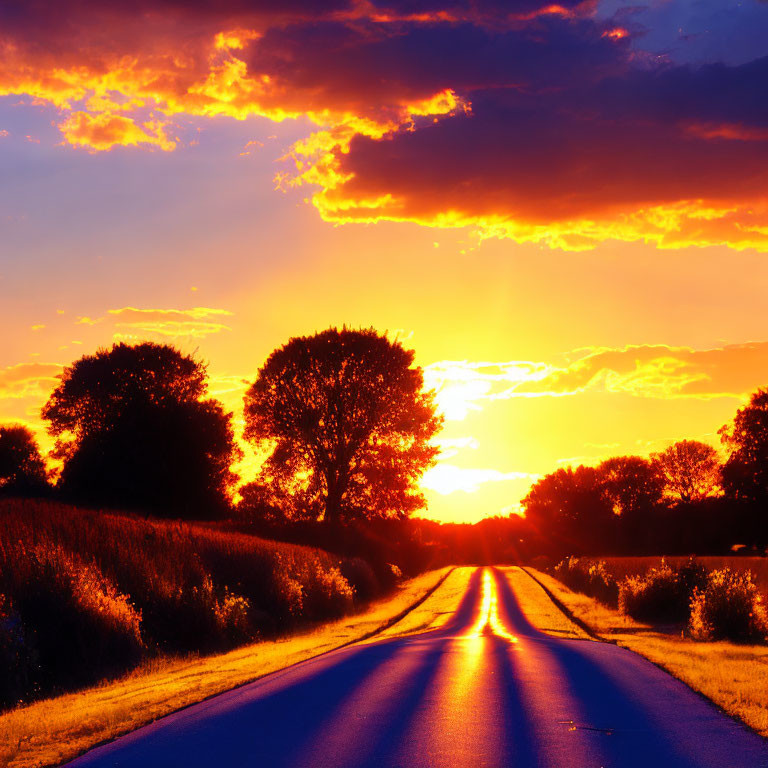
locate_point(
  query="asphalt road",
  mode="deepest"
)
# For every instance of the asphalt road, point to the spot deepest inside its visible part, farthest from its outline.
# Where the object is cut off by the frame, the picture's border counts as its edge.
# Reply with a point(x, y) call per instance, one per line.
point(487, 690)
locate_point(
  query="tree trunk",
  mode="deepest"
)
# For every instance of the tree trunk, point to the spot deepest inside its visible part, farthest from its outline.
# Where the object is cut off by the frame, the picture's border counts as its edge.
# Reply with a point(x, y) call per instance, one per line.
point(333, 503)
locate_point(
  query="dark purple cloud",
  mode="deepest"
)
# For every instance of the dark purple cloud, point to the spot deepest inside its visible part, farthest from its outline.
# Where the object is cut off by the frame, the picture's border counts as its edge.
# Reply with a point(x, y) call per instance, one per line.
point(529, 119)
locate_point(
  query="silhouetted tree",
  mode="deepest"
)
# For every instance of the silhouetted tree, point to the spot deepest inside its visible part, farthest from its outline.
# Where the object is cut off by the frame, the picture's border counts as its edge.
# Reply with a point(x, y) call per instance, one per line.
point(634, 487)
point(745, 473)
point(570, 513)
point(349, 424)
point(632, 484)
point(22, 469)
point(691, 470)
point(135, 429)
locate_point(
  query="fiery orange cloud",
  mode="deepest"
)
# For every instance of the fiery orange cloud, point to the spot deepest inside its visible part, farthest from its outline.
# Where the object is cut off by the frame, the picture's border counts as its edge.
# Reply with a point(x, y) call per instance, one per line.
point(196, 313)
point(729, 131)
point(617, 33)
point(132, 322)
point(197, 322)
point(27, 380)
point(662, 371)
point(140, 330)
point(654, 371)
point(102, 132)
point(541, 124)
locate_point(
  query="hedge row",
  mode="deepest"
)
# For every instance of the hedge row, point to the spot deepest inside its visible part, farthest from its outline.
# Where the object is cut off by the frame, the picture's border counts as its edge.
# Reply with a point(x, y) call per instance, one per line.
point(722, 604)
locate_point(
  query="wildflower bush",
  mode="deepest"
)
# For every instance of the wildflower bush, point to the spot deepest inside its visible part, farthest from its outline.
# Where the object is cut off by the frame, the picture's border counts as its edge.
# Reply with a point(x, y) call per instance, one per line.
point(728, 607)
point(87, 594)
point(659, 595)
point(663, 593)
point(720, 604)
point(360, 574)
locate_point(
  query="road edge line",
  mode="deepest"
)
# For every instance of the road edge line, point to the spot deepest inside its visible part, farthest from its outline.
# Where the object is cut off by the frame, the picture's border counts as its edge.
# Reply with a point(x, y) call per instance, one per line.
point(580, 623)
point(395, 619)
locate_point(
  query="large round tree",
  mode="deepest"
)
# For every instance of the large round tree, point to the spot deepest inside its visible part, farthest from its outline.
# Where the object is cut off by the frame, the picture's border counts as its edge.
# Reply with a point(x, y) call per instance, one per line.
point(348, 423)
point(691, 470)
point(136, 429)
point(569, 512)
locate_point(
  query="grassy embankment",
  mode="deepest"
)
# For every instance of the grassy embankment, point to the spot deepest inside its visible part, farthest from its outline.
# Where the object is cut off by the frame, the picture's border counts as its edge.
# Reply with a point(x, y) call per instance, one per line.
point(52, 731)
point(87, 595)
point(538, 607)
point(733, 676)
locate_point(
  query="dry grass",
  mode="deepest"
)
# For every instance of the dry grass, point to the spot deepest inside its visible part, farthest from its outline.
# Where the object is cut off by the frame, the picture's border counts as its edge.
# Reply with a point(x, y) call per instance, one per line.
point(538, 608)
point(52, 731)
point(733, 676)
point(435, 611)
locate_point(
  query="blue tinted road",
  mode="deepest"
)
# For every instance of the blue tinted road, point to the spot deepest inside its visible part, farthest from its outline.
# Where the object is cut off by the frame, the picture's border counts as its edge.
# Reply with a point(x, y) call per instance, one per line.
point(486, 690)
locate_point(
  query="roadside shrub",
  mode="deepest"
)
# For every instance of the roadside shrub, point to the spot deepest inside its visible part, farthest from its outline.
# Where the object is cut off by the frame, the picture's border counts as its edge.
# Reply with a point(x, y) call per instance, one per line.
point(729, 607)
point(572, 573)
point(591, 577)
point(361, 578)
point(662, 594)
point(601, 584)
point(657, 595)
point(328, 594)
point(69, 618)
point(233, 617)
point(291, 592)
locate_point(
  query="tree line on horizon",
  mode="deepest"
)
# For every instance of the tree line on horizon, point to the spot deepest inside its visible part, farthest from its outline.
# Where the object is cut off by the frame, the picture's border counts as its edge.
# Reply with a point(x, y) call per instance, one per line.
point(342, 415)
point(684, 499)
point(347, 428)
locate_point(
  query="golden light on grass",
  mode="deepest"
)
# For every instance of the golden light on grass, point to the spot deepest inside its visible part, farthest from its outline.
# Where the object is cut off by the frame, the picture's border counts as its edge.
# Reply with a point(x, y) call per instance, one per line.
point(436, 610)
point(538, 608)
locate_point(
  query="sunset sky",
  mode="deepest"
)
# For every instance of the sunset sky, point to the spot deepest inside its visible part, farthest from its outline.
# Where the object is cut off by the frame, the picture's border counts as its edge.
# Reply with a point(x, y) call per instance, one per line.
point(562, 208)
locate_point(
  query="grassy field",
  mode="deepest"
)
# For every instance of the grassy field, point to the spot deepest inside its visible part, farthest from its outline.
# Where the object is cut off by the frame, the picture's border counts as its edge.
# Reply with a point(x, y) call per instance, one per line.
point(86, 594)
point(631, 566)
point(435, 611)
point(49, 732)
point(733, 676)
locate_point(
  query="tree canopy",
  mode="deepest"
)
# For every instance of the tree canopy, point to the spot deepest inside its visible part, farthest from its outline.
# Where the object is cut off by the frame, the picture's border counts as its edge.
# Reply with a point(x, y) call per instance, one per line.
point(570, 507)
point(349, 426)
point(691, 470)
point(631, 483)
point(22, 469)
point(135, 428)
point(745, 473)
